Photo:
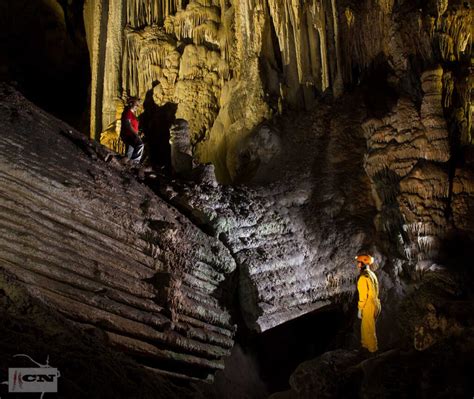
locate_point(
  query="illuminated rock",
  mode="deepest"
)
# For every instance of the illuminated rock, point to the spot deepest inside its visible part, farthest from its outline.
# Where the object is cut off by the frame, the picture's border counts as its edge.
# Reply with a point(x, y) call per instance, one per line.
point(293, 237)
point(101, 249)
point(405, 152)
point(228, 66)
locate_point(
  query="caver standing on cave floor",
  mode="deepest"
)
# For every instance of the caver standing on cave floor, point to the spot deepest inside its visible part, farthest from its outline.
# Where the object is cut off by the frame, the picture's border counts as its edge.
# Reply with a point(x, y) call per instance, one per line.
point(369, 303)
point(129, 131)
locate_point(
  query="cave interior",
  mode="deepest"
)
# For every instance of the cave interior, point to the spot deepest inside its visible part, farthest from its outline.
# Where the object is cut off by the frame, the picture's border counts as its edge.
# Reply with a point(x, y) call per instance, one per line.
point(282, 139)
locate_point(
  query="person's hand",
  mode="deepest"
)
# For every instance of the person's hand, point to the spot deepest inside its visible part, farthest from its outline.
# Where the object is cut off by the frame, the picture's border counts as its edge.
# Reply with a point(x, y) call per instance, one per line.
point(359, 313)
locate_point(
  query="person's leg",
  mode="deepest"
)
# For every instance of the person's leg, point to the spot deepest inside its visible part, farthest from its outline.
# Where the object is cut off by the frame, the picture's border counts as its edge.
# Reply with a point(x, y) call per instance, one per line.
point(129, 151)
point(137, 149)
point(137, 152)
point(368, 334)
point(128, 146)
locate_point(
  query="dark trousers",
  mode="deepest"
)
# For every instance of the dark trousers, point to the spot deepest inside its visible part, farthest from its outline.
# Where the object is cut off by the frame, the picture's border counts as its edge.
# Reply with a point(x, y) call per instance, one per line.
point(134, 148)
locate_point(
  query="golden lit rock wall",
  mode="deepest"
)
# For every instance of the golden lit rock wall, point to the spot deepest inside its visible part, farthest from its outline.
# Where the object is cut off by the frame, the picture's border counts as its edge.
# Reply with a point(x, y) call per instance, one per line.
point(408, 37)
point(228, 65)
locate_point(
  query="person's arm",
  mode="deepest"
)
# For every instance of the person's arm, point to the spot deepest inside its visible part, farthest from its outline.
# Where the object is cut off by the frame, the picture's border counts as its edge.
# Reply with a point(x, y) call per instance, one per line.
point(363, 288)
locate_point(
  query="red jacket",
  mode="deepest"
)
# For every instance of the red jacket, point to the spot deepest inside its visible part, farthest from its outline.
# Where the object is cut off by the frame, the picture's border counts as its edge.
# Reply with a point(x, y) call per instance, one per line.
point(129, 122)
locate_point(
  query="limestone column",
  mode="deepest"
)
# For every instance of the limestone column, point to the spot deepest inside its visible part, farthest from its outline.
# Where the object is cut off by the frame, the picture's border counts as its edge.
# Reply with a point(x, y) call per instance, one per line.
point(113, 61)
point(95, 22)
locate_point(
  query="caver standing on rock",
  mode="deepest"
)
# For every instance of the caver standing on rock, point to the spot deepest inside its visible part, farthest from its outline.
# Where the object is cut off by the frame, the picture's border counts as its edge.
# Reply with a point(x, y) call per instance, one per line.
point(369, 303)
point(129, 131)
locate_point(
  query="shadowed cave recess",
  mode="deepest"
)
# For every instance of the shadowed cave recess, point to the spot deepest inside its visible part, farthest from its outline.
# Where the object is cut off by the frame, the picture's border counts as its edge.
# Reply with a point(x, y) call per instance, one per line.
point(283, 138)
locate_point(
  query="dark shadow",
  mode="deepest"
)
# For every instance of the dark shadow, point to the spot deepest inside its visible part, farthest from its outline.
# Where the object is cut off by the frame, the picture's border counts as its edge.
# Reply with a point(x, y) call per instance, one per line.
point(379, 95)
point(341, 199)
point(457, 252)
point(155, 122)
point(387, 185)
point(279, 351)
point(46, 54)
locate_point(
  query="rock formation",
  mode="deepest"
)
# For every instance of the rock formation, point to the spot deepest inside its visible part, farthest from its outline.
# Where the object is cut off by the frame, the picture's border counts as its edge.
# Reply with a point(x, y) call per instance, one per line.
point(229, 66)
point(407, 162)
point(102, 250)
point(292, 241)
point(345, 125)
point(226, 64)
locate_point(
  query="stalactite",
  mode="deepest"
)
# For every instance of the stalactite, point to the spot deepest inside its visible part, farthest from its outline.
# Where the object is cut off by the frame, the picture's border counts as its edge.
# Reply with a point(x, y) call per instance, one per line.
point(448, 88)
point(142, 13)
point(197, 22)
point(455, 35)
point(319, 21)
point(363, 37)
point(226, 33)
point(145, 58)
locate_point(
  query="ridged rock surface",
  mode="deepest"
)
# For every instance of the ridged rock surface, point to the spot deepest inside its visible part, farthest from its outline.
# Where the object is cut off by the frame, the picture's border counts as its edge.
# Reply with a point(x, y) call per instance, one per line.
point(407, 162)
point(462, 203)
point(294, 232)
point(422, 184)
point(103, 250)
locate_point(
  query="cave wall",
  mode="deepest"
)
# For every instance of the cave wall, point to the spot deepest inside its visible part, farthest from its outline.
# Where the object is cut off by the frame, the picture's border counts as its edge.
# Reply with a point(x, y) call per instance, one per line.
point(403, 140)
point(228, 65)
point(232, 65)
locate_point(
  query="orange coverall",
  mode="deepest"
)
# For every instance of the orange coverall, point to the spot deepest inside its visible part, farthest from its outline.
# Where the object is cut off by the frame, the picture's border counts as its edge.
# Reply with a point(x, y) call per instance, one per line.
point(369, 304)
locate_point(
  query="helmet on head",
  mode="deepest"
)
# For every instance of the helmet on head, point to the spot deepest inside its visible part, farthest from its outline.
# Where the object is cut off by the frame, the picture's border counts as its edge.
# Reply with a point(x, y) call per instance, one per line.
point(131, 101)
point(365, 259)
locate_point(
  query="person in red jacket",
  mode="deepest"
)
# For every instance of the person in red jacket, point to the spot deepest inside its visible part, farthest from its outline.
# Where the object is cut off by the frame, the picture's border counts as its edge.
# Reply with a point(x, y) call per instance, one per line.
point(129, 131)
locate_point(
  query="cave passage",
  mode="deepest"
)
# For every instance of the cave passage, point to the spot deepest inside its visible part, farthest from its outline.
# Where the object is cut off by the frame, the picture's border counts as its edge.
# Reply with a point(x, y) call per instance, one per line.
point(279, 351)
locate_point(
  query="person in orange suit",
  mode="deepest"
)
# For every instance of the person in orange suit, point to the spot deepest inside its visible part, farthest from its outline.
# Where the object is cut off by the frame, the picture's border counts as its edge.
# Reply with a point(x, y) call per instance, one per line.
point(369, 304)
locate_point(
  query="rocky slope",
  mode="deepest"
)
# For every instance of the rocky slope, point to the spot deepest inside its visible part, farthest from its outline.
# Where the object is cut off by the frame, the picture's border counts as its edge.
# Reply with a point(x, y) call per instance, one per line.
point(101, 249)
